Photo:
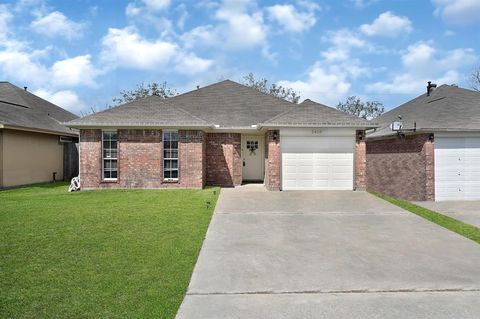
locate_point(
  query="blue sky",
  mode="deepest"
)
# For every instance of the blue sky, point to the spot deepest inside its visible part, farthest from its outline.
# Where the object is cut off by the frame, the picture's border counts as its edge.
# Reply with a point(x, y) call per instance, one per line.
point(80, 54)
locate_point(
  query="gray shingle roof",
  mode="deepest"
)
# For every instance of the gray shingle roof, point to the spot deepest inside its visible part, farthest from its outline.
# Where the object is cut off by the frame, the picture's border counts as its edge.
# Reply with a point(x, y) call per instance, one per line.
point(225, 104)
point(22, 109)
point(151, 111)
point(310, 113)
point(448, 108)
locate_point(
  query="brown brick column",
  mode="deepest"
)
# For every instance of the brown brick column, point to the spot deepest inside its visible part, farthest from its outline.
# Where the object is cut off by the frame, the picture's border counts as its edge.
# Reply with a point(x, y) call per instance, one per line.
point(360, 161)
point(224, 161)
point(429, 151)
point(273, 161)
point(90, 145)
point(191, 152)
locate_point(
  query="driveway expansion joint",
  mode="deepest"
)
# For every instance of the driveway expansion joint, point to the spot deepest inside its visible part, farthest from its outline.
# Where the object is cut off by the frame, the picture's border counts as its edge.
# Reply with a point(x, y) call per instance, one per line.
point(354, 291)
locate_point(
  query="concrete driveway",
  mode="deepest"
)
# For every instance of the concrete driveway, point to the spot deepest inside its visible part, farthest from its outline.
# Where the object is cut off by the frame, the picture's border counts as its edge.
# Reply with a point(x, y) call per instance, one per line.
point(333, 254)
point(466, 211)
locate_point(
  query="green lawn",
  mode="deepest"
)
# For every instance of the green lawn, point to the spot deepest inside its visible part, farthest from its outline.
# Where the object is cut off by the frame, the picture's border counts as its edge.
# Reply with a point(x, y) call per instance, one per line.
point(99, 254)
point(466, 230)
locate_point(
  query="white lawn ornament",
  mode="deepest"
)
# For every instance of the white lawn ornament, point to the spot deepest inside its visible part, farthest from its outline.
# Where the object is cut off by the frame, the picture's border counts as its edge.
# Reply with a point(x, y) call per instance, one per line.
point(74, 184)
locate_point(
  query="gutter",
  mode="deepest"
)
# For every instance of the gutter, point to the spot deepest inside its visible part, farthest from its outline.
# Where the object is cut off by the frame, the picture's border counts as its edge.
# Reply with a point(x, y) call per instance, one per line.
point(278, 126)
point(35, 130)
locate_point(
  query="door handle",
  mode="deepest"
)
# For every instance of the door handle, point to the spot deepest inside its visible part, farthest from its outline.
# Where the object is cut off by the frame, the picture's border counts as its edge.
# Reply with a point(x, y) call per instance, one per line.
point(243, 163)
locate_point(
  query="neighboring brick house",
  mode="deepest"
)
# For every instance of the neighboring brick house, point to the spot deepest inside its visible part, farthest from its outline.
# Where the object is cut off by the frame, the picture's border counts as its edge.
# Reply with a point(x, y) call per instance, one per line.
point(34, 146)
point(222, 134)
point(436, 154)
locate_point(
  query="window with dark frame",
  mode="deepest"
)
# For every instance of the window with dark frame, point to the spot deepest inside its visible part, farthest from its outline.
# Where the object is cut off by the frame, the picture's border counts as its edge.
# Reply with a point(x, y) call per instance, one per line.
point(110, 152)
point(170, 155)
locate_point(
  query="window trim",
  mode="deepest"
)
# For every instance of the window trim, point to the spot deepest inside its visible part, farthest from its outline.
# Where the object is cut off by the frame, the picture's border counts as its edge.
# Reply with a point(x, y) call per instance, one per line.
point(109, 179)
point(170, 179)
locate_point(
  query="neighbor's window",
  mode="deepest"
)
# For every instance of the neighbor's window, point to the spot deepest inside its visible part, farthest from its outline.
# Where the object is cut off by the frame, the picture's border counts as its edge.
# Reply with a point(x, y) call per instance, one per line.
point(170, 155)
point(110, 147)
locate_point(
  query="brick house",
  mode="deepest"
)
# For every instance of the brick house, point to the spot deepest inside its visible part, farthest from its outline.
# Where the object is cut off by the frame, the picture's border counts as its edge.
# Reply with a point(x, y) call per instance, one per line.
point(436, 153)
point(222, 134)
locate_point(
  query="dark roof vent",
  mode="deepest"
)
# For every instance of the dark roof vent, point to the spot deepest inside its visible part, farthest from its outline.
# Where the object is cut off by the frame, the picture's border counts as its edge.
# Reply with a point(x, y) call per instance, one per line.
point(430, 87)
point(25, 88)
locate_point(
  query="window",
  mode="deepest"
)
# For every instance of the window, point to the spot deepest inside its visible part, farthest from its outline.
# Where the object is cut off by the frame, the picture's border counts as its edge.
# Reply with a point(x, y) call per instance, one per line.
point(170, 155)
point(110, 147)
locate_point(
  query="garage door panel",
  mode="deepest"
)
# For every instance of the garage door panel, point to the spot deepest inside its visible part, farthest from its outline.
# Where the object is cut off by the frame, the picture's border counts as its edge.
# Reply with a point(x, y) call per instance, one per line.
point(457, 168)
point(317, 162)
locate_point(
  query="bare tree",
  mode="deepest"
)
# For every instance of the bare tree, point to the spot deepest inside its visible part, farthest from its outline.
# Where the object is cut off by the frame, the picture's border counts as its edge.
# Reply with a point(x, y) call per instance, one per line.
point(273, 89)
point(143, 90)
point(475, 79)
point(367, 110)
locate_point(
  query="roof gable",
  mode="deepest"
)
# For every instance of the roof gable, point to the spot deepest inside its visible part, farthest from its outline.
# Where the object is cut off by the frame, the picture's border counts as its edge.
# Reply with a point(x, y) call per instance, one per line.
point(150, 111)
point(448, 108)
point(20, 108)
point(310, 113)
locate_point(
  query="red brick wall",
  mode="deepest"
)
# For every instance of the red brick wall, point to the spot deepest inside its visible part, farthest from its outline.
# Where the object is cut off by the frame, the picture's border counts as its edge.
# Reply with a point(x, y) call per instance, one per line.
point(273, 161)
point(192, 163)
point(223, 159)
point(360, 161)
point(90, 145)
point(140, 159)
point(402, 168)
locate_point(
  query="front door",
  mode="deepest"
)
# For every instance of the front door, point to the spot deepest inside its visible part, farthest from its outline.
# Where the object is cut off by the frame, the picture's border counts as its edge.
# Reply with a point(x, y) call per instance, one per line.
point(253, 157)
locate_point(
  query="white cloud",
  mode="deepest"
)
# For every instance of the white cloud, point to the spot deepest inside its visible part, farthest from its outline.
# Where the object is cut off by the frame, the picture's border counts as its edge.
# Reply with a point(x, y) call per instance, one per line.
point(458, 12)
point(157, 5)
point(75, 71)
point(321, 85)
point(291, 19)
point(132, 10)
point(421, 63)
point(66, 99)
point(191, 64)
point(243, 26)
point(5, 18)
point(336, 54)
point(56, 24)
point(239, 25)
point(183, 15)
point(363, 3)
point(200, 36)
point(126, 48)
point(22, 65)
point(344, 38)
point(387, 24)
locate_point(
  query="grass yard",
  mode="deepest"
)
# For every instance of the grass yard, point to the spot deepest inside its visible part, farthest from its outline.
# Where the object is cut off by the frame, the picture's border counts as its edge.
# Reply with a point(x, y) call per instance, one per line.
point(99, 254)
point(466, 230)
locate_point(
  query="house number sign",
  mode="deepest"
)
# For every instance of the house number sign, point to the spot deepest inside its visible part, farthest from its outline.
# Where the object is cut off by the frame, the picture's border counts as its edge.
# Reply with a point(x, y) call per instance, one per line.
point(316, 131)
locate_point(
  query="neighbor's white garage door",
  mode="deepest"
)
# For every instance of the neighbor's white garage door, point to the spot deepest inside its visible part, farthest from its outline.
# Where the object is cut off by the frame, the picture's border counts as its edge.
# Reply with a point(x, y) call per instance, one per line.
point(457, 168)
point(317, 162)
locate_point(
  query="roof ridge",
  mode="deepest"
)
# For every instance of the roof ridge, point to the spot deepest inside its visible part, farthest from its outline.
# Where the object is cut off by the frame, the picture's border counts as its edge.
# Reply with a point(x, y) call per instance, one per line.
point(199, 88)
point(119, 106)
point(194, 116)
point(236, 83)
point(278, 115)
point(316, 104)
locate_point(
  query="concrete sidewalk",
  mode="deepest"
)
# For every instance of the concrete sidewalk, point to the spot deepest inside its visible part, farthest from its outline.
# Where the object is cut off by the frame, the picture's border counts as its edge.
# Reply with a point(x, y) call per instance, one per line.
point(329, 255)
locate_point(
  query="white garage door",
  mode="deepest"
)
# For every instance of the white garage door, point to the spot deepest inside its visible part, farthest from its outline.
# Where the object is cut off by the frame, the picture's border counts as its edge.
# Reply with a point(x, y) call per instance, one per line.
point(457, 168)
point(317, 162)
